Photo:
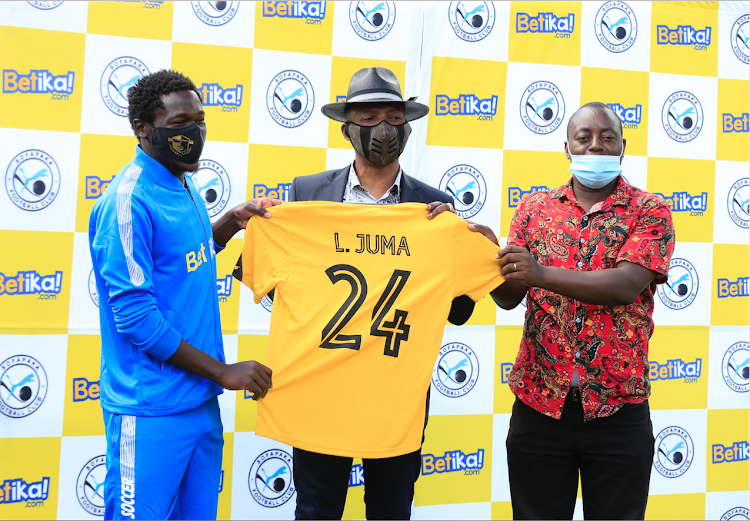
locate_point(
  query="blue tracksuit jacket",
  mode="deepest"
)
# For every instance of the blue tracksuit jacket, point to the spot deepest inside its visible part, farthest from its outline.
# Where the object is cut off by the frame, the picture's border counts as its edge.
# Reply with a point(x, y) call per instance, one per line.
point(155, 266)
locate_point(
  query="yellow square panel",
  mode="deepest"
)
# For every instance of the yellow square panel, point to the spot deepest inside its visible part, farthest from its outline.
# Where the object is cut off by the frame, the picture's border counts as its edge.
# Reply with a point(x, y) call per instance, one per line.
point(83, 411)
point(224, 510)
point(271, 168)
point(507, 344)
point(687, 185)
point(732, 143)
point(729, 294)
point(545, 32)
point(283, 26)
point(627, 93)
point(249, 347)
point(152, 20)
point(684, 38)
point(466, 105)
point(728, 450)
point(36, 461)
point(229, 287)
point(676, 506)
point(42, 79)
point(225, 90)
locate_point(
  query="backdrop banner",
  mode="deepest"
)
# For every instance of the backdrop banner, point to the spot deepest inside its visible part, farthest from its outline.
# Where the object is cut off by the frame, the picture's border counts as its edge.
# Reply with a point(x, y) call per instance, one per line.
point(502, 80)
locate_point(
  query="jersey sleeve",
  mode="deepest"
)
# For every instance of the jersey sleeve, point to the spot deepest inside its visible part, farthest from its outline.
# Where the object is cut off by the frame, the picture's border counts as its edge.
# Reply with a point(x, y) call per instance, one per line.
point(475, 268)
point(651, 241)
point(266, 254)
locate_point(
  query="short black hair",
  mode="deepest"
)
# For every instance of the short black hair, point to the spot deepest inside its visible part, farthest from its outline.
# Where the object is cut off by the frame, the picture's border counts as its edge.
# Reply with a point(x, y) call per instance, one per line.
point(145, 96)
point(594, 105)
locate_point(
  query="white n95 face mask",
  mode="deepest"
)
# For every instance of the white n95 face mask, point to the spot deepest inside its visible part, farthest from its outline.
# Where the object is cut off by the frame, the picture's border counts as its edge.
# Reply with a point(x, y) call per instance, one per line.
point(594, 171)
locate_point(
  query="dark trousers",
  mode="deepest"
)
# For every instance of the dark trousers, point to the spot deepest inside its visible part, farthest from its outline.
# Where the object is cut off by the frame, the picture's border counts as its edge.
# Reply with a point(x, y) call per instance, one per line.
point(613, 454)
point(322, 482)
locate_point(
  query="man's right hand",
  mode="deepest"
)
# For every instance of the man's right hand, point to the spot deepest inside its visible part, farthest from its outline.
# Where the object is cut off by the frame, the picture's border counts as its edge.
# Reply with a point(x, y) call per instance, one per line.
point(250, 375)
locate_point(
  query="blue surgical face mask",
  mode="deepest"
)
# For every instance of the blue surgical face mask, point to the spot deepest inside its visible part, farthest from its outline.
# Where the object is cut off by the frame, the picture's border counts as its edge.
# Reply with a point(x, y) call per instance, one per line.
point(594, 171)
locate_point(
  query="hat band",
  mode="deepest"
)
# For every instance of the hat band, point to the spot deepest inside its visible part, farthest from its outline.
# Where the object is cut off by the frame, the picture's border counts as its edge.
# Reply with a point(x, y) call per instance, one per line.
point(374, 95)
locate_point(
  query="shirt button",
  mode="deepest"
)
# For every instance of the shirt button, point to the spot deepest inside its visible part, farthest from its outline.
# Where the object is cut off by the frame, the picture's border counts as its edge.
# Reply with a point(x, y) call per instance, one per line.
point(578, 355)
point(583, 240)
point(578, 320)
point(580, 264)
point(585, 217)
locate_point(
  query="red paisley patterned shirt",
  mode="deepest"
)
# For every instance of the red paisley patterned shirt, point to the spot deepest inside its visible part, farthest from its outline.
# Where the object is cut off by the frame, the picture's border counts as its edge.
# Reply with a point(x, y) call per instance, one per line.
point(608, 344)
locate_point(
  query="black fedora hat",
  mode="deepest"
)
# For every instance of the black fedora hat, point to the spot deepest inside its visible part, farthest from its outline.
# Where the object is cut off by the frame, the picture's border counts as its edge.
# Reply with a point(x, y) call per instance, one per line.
point(375, 85)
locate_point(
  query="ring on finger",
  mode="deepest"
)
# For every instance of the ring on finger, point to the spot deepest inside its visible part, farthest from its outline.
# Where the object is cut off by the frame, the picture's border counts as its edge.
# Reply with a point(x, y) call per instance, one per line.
point(515, 267)
point(450, 208)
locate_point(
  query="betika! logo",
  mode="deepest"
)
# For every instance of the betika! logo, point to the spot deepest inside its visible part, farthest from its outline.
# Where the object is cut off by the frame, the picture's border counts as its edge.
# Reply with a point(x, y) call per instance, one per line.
point(213, 185)
point(31, 283)
point(312, 12)
point(738, 203)
point(516, 194)
point(738, 451)
point(290, 98)
point(90, 485)
point(727, 288)
point(39, 81)
point(34, 494)
point(676, 369)
point(456, 371)
point(119, 76)
point(542, 107)
point(95, 186)
point(215, 13)
point(740, 38)
point(630, 117)
point(270, 479)
point(466, 105)
point(84, 390)
point(454, 461)
point(32, 180)
point(23, 386)
point(471, 21)
point(684, 202)
point(681, 287)
point(561, 27)
point(673, 452)
point(731, 123)
point(280, 191)
point(357, 476)
point(735, 367)
point(736, 513)
point(214, 95)
point(374, 22)
point(224, 288)
point(467, 186)
point(700, 39)
point(616, 26)
point(44, 6)
point(682, 116)
point(93, 291)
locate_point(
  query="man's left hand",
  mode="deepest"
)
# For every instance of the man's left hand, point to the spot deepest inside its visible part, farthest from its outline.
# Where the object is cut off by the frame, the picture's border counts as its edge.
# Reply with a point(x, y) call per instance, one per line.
point(242, 213)
point(516, 263)
point(438, 207)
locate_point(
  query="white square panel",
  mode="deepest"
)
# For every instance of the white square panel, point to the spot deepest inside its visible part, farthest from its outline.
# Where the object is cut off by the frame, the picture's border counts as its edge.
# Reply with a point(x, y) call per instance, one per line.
point(254, 319)
point(616, 35)
point(679, 452)
point(40, 179)
point(734, 45)
point(221, 178)
point(727, 505)
point(114, 64)
point(82, 472)
point(728, 367)
point(500, 484)
point(685, 299)
point(288, 90)
point(54, 16)
point(228, 400)
point(32, 373)
point(539, 101)
point(457, 511)
point(682, 116)
point(214, 23)
point(463, 379)
point(732, 197)
point(84, 295)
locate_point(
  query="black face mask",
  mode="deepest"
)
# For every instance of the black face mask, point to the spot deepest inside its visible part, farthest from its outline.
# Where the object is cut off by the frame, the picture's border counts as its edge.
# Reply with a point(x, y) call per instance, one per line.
point(181, 144)
point(381, 144)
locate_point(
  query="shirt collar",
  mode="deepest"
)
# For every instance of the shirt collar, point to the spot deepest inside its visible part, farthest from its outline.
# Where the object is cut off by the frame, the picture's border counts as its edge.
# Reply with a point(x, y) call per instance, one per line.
point(354, 182)
point(156, 169)
point(620, 196)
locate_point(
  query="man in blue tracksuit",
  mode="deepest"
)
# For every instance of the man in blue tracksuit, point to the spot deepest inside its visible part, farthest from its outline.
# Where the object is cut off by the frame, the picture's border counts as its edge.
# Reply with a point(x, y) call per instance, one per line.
point(153, 249)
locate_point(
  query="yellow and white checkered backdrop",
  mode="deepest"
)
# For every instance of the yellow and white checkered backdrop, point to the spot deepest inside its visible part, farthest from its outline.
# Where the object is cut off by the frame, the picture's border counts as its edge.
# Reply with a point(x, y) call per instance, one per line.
point(501, 79)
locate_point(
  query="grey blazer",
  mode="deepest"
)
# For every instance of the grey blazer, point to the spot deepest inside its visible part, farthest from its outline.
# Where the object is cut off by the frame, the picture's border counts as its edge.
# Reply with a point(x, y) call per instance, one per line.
point(330, 186)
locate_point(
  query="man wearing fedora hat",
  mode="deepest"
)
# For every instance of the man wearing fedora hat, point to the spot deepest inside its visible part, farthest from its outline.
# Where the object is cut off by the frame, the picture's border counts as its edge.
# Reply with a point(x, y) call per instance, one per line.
point(375, 119)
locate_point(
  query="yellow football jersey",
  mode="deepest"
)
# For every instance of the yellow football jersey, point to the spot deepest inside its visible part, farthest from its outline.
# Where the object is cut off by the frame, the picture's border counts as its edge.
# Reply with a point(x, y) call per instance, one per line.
point(362, 295)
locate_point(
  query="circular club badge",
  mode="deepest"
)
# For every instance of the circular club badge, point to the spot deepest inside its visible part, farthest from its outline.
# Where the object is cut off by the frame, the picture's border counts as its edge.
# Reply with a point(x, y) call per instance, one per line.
point(45, 6)
point(542, 107)
point(740, 36)
point(215, 13)
point(456, 371)
point(23, 386)
point(270, 478)
point(738, 203)
point(468, 188)
point(90, 485)
point(736, 513)
point(290, 98)
point(615, 26)
point(372, 23)
point(117, 79)
point(471, 21)
point(267, 303)
point(673, 452)
point(735, 367)
point(682, 116)
point(681, 287)
point(32, 180)
point(93, 292)
point(213, 185)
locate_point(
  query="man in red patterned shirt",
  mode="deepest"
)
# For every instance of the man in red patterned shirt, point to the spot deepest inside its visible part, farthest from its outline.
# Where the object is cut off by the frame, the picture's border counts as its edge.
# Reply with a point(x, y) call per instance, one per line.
point(587, 256)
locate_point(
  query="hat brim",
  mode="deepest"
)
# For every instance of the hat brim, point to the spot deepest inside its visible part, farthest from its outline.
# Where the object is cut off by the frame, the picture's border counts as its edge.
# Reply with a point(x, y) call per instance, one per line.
point(412, 109)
